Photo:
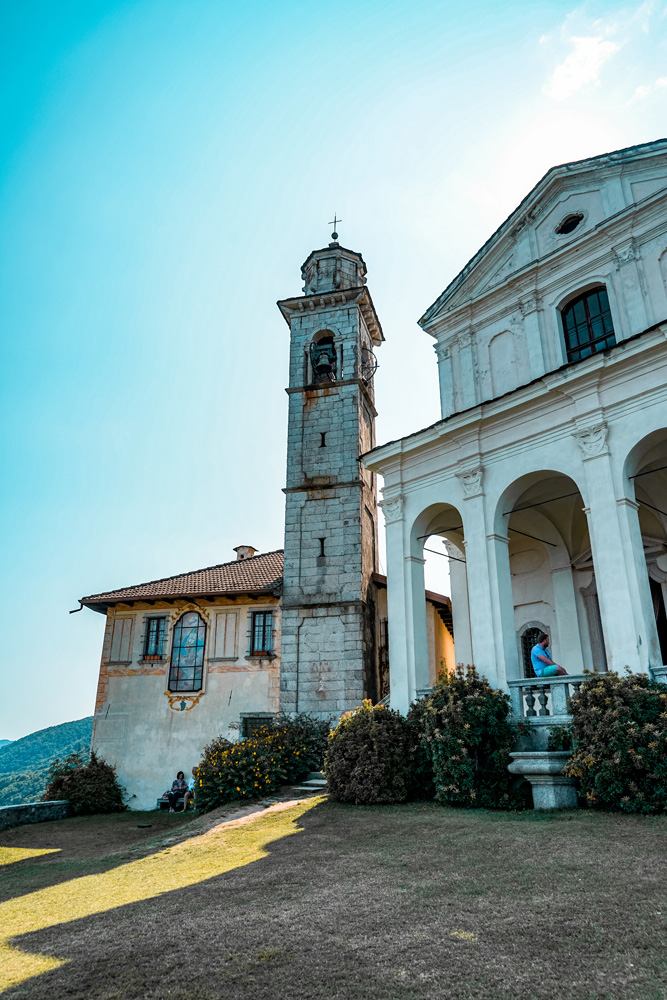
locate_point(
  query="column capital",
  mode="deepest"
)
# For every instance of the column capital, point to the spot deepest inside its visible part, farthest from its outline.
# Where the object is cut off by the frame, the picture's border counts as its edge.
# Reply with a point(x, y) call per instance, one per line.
point(627, 502)
point(392, 508)
point(592, 440)
point(493, 537)
point(415, 559)
point(626, 252)
point(471, 482)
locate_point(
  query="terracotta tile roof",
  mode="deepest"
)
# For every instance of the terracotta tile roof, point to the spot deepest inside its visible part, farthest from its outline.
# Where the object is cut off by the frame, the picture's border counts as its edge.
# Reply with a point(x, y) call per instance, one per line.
point(259, 574)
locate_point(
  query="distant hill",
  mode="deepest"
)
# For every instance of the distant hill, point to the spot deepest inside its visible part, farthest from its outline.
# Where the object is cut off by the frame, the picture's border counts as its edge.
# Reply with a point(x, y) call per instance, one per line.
point(4, 742)
point(24, 763)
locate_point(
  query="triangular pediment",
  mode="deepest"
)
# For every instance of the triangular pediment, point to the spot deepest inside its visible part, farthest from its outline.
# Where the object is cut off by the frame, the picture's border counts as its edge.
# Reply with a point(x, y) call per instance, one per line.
point(587, 192)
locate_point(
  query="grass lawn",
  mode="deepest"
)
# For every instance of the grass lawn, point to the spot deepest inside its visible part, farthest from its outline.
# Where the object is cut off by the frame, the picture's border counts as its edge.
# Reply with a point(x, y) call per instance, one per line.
point(322, 900)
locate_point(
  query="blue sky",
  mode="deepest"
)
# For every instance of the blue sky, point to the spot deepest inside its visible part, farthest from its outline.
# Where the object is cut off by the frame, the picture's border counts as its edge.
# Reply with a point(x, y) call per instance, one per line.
point(165, 167)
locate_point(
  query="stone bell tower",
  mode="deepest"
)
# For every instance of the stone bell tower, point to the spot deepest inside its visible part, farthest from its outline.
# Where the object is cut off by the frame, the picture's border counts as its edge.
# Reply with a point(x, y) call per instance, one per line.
point(328, 660)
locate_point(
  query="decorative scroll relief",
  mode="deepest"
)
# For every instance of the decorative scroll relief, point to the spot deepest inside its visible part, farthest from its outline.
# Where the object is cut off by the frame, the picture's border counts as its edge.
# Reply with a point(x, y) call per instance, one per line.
point(179, 702)
point(392, 508)
point(592, 441)
point(471, 481)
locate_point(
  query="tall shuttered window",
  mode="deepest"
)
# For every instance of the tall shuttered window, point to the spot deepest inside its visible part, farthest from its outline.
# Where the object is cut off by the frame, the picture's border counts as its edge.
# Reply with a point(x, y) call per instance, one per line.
point(187, 653)
point(587, 324)
point(261, 635)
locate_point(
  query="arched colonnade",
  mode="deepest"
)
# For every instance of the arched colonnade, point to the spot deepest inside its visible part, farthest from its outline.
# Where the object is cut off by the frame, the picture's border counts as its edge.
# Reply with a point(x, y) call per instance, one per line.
point(570, 537)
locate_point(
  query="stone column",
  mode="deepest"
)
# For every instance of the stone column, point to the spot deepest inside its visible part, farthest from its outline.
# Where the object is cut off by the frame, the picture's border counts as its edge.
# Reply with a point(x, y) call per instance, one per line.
point(458, 582)
point(633, 547)
point(531, 308)
point(468, 367)
point(616, 576)
point(445, 378)
point(628, 287)
point(502, 606)
point(482, 619)
point(569, 636)
point(406, 611)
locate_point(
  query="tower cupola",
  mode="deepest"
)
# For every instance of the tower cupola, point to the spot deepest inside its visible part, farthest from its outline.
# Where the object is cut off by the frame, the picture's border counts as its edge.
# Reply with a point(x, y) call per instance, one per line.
point(333, 269)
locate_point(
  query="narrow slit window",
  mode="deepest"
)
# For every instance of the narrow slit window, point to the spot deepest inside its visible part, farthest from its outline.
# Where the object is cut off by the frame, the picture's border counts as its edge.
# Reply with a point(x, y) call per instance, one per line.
point(321, 541)
point(323, 439)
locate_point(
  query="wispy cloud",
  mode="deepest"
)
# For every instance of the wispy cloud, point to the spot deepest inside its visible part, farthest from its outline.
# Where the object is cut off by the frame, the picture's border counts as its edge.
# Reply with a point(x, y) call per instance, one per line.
point(646, 90)
point(581, 68)
point(584, 45)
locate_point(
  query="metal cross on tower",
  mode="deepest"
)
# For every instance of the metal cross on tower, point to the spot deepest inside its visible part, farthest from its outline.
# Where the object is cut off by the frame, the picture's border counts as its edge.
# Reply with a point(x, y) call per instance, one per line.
point(334, 223)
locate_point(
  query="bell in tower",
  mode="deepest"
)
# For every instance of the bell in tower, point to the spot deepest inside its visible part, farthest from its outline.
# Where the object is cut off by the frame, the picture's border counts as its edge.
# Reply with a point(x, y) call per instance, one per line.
point(328, 655)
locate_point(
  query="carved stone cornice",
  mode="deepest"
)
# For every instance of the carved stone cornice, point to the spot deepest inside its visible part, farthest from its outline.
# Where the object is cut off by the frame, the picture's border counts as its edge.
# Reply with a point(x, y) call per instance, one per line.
point(530, 303)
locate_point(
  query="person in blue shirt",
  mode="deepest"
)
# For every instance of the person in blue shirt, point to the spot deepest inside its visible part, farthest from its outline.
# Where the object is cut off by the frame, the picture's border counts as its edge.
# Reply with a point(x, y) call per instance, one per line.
point(540, 657)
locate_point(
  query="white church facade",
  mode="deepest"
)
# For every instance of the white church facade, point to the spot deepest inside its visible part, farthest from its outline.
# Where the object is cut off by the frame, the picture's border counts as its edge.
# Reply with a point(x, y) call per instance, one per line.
point(546, 478)
point(545, 483)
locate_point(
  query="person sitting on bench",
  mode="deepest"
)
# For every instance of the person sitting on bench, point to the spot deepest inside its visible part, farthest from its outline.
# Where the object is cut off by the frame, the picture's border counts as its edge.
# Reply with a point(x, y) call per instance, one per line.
point(179, 787)
point(190, 794)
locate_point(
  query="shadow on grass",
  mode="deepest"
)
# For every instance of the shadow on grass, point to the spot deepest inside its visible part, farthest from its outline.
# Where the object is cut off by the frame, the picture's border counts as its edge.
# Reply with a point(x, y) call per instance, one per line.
point(411, 902)
point(234, 844)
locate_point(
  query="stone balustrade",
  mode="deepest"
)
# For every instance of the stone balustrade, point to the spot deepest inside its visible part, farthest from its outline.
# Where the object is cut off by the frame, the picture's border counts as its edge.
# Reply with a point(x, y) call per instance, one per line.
point(543, 700)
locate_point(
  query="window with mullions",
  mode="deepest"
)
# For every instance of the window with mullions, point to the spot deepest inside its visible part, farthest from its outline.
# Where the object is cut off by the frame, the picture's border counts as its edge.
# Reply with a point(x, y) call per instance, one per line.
point(187, 653)
point(587, 324)
point(528, 640)
point(261, 634)
point(155, 631)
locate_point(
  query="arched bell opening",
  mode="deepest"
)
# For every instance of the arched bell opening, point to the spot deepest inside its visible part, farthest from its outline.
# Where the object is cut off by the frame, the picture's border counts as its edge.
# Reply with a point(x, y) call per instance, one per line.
point(325, 364)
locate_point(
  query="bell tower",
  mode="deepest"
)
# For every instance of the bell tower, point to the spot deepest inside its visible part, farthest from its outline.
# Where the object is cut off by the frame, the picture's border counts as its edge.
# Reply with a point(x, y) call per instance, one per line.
point(328, 659)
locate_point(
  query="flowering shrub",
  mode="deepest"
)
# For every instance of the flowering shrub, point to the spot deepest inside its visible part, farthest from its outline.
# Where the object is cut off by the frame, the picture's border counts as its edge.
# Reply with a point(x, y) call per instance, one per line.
point(619, 725)
point(369, 757)
point(251, 768)
point(468, 736)
point(90, 785)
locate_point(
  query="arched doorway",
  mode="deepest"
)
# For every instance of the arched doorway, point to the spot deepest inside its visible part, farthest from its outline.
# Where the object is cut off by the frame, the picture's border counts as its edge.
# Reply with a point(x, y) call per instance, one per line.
point(551, 570)
point(646, 469)
point(438, 540)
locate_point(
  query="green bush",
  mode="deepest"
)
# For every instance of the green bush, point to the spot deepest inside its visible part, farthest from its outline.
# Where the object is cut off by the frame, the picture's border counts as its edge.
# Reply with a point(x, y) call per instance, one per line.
point(421, 780)
point(619, 725)
point(560, 738)
point(369, 757)
point(279, 753)
point(90, 785)
point(467, 733)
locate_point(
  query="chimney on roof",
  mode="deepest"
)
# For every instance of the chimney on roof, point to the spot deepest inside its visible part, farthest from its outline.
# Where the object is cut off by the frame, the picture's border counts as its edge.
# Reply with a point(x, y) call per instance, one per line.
point(244, 552)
